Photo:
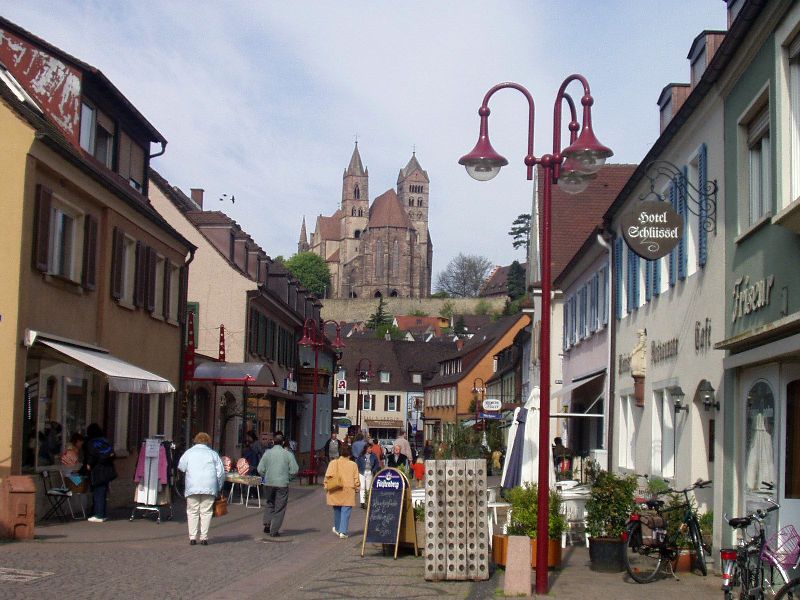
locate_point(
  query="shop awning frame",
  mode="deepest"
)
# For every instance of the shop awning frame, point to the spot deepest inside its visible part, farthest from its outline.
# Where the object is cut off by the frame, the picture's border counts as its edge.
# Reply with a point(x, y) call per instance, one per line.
point(576, 383)
point(122, 376)
point(224, 373)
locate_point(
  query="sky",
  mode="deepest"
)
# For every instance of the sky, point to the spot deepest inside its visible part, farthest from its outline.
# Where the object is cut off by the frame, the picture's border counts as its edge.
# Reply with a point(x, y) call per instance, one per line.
point(263, 100)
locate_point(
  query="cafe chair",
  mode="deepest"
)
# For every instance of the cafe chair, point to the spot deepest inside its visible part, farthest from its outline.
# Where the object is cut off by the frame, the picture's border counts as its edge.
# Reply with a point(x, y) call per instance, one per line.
point(57, 496)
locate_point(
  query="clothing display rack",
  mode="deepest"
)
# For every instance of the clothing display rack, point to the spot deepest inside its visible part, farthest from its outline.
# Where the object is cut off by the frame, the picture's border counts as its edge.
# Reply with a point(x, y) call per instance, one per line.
point(152, 492)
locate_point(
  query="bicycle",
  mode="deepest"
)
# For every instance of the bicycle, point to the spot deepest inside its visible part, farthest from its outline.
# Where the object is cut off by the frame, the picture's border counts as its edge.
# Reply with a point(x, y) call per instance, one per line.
point(755, 562)
point(648, 548)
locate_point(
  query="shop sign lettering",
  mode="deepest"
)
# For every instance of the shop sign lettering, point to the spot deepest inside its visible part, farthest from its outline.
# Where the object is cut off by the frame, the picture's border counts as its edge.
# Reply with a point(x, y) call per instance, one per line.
point(652, 229)
point(663, 350)
point(749, 298)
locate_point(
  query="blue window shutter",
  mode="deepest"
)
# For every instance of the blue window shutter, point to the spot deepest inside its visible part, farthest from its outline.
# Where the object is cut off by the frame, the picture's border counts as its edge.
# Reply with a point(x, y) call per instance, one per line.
point(682, 210)
point(648, 280)
point(565, 317)
point(656, 277)
point(636, 262)
point(617, 289)
point(672, 255)
point(605, 288)
point(702, 175)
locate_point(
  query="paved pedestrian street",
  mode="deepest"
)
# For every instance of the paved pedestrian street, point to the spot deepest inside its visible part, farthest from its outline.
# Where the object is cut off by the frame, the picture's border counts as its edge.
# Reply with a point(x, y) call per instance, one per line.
point(142, 559)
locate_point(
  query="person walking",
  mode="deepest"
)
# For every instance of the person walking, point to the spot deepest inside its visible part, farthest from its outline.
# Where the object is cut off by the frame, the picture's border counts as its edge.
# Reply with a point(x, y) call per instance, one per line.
point(277, 466)
point(204, 477)
point(341, 483)
point(419, 472)
point(405, 447)
point(397, 459)
point(377, 450)
point(367, 467)
point(99, 463)
point(358, 445)
point(332, 447)
point(427, 450)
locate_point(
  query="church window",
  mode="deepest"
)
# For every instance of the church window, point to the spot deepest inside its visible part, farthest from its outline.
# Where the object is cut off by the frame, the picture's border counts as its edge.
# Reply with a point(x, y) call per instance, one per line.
point(360, 212)
point(357, 234)
point(395, 259)
point(378, 294)
point(357, 192)
point(353, 212)
point(419, 201)
point(411, 202)
point(379, 258)
point(394, 294)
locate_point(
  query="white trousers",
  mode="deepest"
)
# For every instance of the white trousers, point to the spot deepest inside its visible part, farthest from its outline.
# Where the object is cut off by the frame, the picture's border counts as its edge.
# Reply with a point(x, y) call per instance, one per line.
point(366, 483)
point(199, 509)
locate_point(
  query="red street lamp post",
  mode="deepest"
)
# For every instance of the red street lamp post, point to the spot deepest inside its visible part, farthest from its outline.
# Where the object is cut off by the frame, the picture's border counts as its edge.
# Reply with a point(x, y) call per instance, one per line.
point(314, 336)
point(359, 379)
point(480, 393)
point(571, 169)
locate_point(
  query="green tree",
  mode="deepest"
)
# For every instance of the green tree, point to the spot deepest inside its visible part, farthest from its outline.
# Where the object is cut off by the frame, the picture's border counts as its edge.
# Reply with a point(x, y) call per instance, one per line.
point(418, 313)
point(394, 332)
point(447, 310)
point(482, 307)
point(521, 232)
point(515, 280)
point(312, 271)
point(380, 316)
point(460, 328)
point(439, 294)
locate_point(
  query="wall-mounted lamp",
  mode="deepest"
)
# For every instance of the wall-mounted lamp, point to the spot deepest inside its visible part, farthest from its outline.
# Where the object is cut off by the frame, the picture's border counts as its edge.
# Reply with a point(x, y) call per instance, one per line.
point(706, 393)
point(677, 395)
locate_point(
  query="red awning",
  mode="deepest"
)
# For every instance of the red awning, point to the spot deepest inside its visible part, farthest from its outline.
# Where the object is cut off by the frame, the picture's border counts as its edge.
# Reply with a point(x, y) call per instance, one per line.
point(223, 373)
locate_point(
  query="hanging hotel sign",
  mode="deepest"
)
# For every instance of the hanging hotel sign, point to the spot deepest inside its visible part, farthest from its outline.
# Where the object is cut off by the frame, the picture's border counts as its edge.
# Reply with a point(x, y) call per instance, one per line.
point(652, 229)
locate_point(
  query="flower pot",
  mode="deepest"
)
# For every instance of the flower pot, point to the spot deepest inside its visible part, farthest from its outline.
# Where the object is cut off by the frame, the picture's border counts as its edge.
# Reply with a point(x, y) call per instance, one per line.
point(553, 553)
point(420, 528)
point(684, 562)
point(607, 555)
point(499, 548)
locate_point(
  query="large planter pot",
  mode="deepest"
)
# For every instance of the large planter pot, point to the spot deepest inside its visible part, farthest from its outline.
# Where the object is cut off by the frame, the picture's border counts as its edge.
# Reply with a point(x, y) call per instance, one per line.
point(684, 562)
point(420, 527)
point(500, 549)
point(607, 554)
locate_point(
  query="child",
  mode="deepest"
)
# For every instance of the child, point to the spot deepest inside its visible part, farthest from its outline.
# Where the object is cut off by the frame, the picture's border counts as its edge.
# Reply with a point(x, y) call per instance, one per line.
point(419, 471)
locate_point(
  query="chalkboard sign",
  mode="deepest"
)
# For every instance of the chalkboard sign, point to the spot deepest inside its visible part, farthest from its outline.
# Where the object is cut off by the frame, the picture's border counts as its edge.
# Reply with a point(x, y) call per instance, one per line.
point(385, 509)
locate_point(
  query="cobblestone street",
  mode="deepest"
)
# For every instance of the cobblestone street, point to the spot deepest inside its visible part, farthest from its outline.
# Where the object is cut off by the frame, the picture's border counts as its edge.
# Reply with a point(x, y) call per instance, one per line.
point(145, 560)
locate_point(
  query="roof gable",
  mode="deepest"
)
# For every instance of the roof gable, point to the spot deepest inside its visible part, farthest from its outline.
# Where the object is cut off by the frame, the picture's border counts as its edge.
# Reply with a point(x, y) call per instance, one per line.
point(388, 211)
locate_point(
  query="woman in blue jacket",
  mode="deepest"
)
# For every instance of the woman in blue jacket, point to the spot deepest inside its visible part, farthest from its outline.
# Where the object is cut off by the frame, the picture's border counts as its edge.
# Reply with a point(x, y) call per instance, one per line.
point(205, 475)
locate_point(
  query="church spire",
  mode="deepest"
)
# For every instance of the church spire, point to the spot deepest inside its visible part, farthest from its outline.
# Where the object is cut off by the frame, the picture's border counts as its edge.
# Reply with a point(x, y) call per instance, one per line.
point(302, 244)
point(355, 167)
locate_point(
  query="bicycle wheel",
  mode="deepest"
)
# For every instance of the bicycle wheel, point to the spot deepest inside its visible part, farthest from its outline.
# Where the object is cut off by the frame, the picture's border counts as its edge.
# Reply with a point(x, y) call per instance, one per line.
point(790, 591)
point(642, 562)
point(697, 541)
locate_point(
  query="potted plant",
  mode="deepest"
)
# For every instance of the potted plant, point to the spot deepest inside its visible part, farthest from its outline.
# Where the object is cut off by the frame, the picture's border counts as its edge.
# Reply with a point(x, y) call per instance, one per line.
point(524, 515)
point(419, 524)
point(610, 504)
point(673, 512)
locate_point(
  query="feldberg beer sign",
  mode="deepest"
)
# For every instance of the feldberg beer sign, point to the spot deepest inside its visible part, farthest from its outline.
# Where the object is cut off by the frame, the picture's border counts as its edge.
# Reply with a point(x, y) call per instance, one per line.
point(652, 229)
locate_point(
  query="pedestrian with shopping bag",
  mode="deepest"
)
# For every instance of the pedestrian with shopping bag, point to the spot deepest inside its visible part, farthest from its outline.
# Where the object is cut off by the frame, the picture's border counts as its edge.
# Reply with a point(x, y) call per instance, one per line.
point(205, 476)
point(341, 483)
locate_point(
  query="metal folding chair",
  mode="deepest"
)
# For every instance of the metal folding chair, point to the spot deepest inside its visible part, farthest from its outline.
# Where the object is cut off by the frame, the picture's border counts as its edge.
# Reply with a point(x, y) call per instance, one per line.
point(57, 496)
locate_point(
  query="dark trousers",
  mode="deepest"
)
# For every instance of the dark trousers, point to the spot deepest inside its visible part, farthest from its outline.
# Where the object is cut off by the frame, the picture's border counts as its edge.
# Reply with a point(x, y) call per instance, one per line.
point(276, 498)
point(99, 493)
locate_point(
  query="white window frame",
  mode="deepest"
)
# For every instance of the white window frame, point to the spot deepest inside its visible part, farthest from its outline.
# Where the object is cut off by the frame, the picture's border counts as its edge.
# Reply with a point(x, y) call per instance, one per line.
point(368, 402)
point(663, 463)
point(759, 168)
point(793, 84)
point(385, 376)
point(416, 378)
point(61, 209)
point(392, 403)
point(628, 433)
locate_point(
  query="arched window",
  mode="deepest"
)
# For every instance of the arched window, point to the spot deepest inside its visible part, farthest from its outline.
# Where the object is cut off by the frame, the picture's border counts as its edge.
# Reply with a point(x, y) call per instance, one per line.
point(360, 212)
point(356, 192)
point(378, 294)
point(759, 447)
point(411, 202)
point(357, 234)
point(419, 201)
point(394, 294)
point(395, 259)
point(379, 258)
point(353, 212)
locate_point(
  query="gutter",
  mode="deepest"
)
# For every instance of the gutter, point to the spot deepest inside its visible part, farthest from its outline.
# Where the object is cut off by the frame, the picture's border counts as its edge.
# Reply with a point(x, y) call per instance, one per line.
point(604, 238)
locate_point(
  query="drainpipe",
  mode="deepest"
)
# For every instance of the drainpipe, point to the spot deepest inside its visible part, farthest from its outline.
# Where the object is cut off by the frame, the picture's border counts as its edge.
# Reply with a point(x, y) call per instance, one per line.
point(604, 237)
point(181, 373)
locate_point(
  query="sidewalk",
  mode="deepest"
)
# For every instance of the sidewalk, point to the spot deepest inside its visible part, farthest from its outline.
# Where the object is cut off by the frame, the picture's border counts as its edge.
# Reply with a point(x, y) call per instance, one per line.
point(144, 560)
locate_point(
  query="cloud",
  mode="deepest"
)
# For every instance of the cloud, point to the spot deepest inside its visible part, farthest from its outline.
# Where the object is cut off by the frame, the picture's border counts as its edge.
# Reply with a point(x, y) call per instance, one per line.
point(263, 100)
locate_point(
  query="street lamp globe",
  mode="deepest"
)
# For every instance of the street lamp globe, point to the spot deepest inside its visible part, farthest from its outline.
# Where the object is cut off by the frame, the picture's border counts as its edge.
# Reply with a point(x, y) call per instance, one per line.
point(588, 153)
point(483, 163)
point(571, 179)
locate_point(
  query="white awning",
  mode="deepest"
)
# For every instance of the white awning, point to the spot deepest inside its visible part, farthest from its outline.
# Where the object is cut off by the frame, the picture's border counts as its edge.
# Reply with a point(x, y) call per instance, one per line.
point(122, 376)
point(567, 389)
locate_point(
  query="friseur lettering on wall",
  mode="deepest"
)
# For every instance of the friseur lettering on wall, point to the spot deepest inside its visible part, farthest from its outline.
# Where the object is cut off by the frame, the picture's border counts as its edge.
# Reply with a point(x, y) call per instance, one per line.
point(750, 298)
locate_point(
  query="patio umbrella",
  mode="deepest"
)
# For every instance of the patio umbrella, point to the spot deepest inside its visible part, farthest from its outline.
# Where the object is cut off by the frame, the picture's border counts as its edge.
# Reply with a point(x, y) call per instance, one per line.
point(522, 461)
point(760, 462)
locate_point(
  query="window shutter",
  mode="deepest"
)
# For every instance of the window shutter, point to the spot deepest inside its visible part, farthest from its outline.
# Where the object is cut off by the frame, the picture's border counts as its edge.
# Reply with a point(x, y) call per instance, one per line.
point(139, 291)
point(117, 263)
point(682, 206)
point(657, 277)
point(386, 403)
point(41, 246)
point(702, 175)
point(605, 289)
point(89, 276)
point(648, 280)
point(564, 328)
point(673, 268)
point(151, 279)
point(167, 283)
point(183, 285)
point(617, 278)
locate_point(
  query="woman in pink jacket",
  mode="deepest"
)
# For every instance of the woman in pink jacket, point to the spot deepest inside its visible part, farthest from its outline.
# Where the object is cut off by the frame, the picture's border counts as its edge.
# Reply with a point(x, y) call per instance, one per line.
point(343, 498)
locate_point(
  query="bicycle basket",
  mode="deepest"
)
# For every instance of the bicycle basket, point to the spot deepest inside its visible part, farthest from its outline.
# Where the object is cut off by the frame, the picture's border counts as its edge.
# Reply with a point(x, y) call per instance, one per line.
point(783, 548)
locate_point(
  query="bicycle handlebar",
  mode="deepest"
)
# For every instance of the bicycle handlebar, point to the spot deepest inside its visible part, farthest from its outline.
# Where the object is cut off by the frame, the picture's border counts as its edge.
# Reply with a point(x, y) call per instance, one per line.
point(696, 485)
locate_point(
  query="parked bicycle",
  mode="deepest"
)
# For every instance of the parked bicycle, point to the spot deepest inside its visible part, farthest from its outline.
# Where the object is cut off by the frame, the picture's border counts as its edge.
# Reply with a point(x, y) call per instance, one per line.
point(649, 548)
point(759, 567)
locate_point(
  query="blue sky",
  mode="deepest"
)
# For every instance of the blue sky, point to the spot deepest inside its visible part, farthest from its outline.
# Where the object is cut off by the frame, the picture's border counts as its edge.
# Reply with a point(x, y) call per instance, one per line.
point(263, 100)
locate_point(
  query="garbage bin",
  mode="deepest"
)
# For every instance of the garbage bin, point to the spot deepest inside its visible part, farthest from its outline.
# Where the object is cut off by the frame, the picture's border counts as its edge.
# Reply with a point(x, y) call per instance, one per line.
point(17, 507)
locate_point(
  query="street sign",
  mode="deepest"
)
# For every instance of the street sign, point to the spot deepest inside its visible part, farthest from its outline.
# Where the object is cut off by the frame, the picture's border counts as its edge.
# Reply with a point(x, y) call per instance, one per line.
point(341, 387)
point(491, 404)
point(486, 415)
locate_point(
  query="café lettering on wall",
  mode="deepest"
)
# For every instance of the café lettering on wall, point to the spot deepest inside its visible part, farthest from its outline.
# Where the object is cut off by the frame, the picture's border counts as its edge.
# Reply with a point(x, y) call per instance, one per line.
point(652, 229)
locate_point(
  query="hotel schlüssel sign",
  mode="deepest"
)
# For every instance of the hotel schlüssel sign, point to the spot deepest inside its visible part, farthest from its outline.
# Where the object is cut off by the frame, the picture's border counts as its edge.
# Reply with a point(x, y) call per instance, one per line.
point(652, 229)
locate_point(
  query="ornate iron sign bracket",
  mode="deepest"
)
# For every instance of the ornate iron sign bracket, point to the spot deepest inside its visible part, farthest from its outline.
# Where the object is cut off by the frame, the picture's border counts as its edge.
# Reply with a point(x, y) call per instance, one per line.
point(701, 202)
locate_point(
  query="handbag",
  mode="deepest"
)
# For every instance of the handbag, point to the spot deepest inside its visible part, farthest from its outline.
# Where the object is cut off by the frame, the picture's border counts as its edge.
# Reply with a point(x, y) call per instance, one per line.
point(333, 481)
point(220, 506)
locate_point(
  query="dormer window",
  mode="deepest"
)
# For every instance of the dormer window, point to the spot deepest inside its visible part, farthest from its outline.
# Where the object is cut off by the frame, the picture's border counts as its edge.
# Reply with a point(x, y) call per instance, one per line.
point(97, 134)
point(666, 114)
point(699, 66)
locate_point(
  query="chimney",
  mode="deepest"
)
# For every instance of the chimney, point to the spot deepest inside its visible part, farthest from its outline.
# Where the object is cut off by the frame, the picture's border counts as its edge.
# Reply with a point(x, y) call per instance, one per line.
point(197, 196)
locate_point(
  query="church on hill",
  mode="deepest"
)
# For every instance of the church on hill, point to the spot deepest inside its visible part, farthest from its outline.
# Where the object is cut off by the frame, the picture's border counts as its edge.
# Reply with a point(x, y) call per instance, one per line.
point(378, 250)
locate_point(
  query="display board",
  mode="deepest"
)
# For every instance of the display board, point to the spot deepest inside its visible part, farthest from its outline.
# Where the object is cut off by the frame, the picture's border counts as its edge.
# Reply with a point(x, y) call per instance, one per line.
point(386, 508)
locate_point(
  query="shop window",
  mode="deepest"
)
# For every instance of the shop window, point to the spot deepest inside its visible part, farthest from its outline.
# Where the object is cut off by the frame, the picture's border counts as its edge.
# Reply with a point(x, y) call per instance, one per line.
point(760, 429)
point(792, 468)
point(663, 435)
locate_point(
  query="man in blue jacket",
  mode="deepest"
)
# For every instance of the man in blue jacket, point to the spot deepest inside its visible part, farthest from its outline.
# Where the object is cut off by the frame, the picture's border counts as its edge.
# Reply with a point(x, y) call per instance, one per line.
point(277, 466)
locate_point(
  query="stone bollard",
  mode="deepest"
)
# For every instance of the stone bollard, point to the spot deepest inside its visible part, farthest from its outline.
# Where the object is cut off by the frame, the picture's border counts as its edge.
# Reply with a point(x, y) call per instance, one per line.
point(518, 566)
